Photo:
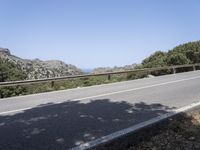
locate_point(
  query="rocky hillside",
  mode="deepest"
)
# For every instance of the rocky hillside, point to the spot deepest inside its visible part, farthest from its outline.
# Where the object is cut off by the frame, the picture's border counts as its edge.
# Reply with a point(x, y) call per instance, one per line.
point(36, 69)
point(114, 69)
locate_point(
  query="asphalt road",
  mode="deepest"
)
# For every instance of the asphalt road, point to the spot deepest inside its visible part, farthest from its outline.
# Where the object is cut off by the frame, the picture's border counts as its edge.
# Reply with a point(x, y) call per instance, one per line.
point(64, 119)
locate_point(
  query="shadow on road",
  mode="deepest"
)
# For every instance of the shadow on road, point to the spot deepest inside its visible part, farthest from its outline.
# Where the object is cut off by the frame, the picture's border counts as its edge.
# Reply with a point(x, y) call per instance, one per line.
point(62, 126)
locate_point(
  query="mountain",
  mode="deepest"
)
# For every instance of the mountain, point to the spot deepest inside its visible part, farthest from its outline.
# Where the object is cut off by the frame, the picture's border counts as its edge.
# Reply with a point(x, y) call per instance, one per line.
point(113, 69)
point(36, 69)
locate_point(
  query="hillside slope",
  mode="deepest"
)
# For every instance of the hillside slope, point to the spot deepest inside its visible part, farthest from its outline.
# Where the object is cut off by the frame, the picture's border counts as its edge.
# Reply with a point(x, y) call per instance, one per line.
point(188, 53)
point(36, 69)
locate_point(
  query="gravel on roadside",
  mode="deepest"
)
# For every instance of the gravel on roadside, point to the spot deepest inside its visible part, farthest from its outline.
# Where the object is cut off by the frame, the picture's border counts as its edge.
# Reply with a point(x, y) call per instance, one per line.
point(181, 132)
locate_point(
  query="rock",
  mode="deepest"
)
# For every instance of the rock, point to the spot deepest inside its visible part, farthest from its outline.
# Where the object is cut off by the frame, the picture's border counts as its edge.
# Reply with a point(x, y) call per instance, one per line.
point(5, 51)
point(151, 76)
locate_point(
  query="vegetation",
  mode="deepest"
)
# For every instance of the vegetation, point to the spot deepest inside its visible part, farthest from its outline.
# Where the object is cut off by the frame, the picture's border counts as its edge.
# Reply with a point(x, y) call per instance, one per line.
point(188, 53)
point(10, 72)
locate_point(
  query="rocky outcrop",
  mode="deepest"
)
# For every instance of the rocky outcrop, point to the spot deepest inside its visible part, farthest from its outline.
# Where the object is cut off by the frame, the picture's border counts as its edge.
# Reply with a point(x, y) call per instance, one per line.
point(37, 69)
point(4, 51)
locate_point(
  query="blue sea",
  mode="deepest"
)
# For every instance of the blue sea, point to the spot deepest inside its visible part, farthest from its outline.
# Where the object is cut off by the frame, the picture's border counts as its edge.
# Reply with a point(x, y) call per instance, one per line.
point(87, 71)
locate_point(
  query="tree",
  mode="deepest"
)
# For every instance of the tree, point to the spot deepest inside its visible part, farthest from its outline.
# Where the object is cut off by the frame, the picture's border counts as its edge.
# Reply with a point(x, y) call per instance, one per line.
point(158, 59)
point(188, 53)
point(10, 72)
point(177, 59)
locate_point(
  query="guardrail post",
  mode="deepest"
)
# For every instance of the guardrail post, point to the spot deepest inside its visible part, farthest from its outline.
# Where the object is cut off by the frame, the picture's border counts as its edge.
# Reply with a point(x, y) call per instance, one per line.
point(109, 77)
point(2, 77)
point(174, 70)
point(52, 84)
point(194, 68)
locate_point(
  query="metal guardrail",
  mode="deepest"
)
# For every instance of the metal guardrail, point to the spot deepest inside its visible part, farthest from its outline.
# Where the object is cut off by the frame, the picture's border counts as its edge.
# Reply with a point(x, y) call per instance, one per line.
point(24, 82)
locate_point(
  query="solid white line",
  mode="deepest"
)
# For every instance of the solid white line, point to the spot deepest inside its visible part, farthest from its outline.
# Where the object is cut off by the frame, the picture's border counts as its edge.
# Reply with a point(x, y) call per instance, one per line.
point(13, 111)
point(107, 94)
point(23, 109)
point(133, 128)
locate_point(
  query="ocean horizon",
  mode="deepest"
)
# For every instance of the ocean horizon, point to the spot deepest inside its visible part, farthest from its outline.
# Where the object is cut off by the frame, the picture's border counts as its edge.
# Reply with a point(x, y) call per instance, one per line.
point(87, 70)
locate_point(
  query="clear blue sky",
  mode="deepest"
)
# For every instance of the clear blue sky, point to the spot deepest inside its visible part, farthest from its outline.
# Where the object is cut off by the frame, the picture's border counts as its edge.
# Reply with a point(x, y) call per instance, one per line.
point(93, 33)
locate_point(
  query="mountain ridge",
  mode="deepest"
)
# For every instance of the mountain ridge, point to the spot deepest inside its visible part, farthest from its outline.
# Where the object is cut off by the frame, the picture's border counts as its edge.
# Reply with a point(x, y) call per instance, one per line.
point(36, 68)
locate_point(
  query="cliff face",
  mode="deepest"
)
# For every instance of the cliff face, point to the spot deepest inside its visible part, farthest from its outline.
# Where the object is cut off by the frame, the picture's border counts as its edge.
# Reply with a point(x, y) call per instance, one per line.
point(36, 69)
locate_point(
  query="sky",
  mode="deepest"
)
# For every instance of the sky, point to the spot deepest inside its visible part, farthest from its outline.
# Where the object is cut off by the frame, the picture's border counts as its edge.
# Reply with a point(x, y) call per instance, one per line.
point(96, 33)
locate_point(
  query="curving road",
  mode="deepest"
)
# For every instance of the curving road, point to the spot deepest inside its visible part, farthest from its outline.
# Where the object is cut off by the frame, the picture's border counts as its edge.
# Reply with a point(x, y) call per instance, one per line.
point(65, 119)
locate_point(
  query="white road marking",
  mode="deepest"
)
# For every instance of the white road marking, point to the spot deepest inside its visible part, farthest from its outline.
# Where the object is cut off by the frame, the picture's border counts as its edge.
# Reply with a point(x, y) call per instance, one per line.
point(107, 94)
point(13, 111)
point(133, 128)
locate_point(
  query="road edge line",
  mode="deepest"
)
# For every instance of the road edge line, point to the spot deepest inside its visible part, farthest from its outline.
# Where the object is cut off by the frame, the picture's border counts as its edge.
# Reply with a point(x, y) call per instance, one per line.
point(123, 132)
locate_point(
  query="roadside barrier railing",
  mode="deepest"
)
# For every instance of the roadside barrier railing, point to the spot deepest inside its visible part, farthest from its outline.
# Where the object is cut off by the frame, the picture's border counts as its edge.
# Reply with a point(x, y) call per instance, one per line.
point(52, 80)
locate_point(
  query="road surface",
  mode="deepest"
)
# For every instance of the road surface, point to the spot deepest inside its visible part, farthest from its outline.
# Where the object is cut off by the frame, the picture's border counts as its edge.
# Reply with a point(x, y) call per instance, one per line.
point(64, 119)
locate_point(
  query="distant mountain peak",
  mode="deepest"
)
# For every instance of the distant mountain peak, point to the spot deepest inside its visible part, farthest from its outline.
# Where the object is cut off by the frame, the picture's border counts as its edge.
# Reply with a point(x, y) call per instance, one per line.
point(5, 51)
